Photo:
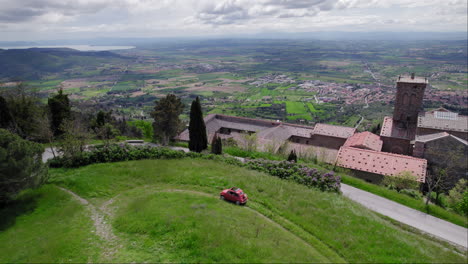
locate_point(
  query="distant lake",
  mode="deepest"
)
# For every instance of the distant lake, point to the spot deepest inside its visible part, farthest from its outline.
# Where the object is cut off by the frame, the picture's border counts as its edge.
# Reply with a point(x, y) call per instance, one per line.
point(76, 47)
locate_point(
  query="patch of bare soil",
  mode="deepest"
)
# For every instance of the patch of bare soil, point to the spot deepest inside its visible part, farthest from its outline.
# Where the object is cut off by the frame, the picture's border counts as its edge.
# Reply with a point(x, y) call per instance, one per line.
point(138, 93)
point(9, 84)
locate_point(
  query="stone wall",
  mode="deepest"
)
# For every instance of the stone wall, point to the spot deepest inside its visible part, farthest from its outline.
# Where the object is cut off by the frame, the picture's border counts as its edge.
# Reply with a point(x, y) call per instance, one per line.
point(408, 102)
point(368, 176)
point(320, 141)
point(450, 154)
point(426, 131)
point(396, 145)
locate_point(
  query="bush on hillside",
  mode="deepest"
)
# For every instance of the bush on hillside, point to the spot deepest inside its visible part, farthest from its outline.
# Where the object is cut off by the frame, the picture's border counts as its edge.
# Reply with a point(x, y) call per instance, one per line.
point(282, 169)
point(217, 145)
point(458, 197)
point(325, 181)
point(292, 156)
point(21, 165)
point(404, 180)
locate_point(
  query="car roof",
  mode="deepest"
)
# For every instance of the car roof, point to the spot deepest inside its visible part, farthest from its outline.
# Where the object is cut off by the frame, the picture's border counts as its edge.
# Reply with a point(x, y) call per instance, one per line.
point(235, 189)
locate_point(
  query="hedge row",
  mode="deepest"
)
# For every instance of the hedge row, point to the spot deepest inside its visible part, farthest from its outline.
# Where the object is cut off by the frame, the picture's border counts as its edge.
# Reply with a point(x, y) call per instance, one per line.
point(282, 169)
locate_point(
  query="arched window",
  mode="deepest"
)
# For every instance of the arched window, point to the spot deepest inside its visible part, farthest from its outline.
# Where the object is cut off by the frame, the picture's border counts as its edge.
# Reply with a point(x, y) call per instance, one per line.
point(405, 99)
point(414, 100)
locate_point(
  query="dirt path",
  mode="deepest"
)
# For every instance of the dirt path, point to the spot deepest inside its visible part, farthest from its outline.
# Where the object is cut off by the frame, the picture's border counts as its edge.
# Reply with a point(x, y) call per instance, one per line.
point(102, 227)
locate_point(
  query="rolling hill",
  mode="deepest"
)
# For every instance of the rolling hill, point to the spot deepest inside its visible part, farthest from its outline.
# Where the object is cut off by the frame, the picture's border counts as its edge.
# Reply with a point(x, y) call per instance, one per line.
point(169, 211)
point(34, 63)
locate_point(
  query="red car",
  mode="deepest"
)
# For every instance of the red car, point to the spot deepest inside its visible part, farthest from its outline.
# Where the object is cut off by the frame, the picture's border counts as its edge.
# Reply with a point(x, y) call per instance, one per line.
point(235, 195)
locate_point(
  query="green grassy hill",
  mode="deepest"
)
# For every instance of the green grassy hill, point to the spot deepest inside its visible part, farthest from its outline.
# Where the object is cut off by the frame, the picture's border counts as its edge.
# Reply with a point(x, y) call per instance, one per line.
point(169, 211)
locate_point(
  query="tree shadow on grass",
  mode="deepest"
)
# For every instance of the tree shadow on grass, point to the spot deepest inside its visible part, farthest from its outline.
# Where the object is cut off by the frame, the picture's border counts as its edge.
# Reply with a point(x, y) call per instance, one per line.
point(21, 206)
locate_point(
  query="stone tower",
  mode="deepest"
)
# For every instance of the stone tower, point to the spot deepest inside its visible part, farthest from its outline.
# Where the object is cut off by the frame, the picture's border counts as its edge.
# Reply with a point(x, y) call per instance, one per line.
point(409, 97)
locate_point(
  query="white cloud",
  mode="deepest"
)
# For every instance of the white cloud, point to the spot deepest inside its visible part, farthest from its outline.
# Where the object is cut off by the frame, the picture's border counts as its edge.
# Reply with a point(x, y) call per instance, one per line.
point(208, 17)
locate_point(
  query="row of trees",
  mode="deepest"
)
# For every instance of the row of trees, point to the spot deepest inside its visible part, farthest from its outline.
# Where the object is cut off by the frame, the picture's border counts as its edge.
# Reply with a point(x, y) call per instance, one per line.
point(167, 124)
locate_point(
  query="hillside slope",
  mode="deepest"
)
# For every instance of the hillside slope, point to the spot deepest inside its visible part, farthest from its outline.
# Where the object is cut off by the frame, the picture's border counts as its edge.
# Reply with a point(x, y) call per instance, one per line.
point(28, 64)
point(168, 210)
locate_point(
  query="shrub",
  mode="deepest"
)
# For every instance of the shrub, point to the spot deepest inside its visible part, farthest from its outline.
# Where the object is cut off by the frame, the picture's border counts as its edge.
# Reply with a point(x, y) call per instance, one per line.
point(404, 180)
point(217, 145)
point(21, 165)
point(325, 181)
point(292, 156)
point(458, 197)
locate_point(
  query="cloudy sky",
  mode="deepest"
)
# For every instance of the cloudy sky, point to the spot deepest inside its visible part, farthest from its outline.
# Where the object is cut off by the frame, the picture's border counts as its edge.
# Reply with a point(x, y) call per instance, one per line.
point(58, 19)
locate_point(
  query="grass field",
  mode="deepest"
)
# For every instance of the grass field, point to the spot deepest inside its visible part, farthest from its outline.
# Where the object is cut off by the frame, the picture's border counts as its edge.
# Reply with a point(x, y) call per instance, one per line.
point(311, 108)
point(295, 108)
point(168, 210)
point(295, 117)
point(44, 226)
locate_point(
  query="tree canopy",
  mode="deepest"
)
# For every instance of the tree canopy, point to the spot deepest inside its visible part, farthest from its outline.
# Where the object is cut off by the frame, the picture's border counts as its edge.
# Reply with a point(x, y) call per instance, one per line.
point(197, 129)
point(217, 145)
point(21, 165)
point(59, 106)
point(166, 118)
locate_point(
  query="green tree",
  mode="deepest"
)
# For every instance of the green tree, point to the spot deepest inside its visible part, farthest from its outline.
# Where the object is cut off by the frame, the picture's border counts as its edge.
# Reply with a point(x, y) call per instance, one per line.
point(216, 145)
point(25, 112)
point(59, 107)
point(166, 118)
point(5, 117)
point(107, 133)
point(21, 165)
point(458, 197)
point(74, 139)
point(145, 126)
point(197, 128)
point(103, 118)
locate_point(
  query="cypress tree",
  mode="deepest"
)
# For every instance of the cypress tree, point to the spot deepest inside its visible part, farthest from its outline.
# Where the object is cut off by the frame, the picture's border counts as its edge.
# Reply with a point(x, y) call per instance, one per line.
point(197, 129)
point(216, 145)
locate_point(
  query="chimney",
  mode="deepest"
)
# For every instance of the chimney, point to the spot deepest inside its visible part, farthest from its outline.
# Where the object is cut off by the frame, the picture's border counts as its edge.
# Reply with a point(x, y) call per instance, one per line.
point(412, 76)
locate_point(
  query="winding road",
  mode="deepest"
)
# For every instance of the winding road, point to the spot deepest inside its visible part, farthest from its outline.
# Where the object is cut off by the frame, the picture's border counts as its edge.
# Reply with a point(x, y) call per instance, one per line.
point(427, 223)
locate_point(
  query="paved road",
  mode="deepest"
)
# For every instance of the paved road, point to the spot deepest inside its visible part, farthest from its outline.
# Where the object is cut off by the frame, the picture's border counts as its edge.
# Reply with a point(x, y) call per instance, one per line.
point(424, 222)
point(48, 154)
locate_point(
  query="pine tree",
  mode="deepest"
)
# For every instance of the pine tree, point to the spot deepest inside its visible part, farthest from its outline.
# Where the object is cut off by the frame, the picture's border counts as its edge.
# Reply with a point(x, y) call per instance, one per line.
point(59, 106)
point(166, 118)
point(216, 145)
point(21, 166)
point(197, 130)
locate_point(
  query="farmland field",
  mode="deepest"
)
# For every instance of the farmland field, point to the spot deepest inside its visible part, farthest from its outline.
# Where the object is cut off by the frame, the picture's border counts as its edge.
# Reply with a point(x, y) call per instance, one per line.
point(333, 78)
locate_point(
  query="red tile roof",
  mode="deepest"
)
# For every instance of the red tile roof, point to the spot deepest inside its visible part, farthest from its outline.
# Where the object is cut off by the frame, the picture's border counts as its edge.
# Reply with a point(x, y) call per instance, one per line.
point(364, 140)
point(334, 131)
point(387, 127)
point(383, 163)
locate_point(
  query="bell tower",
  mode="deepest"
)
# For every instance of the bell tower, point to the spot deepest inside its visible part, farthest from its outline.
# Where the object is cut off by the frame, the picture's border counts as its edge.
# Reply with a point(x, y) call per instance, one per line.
point(409, 98)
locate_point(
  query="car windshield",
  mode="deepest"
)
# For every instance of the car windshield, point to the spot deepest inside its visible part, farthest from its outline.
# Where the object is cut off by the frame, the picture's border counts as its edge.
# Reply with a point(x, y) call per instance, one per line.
point(241, 193)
